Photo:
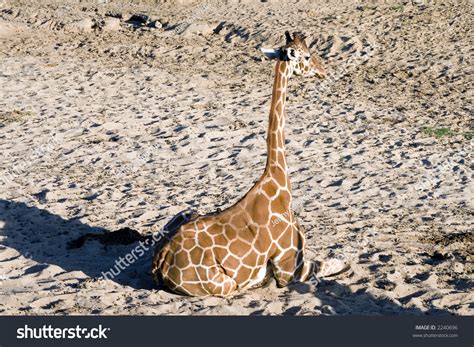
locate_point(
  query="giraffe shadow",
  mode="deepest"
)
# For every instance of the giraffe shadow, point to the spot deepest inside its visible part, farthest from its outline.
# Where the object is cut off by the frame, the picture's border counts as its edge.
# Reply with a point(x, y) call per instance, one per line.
point(338, 299)
point(47, 238)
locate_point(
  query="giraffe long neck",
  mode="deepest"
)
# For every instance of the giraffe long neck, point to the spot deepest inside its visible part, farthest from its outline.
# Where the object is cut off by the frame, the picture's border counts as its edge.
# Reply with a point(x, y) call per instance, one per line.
point(276, 154)
point(275, 169)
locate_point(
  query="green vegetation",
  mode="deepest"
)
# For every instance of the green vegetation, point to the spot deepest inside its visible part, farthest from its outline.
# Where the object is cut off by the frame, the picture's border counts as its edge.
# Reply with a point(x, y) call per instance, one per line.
point(438, 132)
point(446, 132)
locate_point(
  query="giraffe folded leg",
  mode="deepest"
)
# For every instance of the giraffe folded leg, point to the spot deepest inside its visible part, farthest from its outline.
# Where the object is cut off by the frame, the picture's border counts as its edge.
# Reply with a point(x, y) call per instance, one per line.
point(221, 285)
point(308, 269)
point(288, 267)
point(265, 282)
point(330, 267)
point(287, 270)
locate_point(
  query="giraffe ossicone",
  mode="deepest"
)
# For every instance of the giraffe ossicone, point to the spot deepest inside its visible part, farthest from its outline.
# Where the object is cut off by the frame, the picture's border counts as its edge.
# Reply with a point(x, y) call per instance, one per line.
point(241, 246)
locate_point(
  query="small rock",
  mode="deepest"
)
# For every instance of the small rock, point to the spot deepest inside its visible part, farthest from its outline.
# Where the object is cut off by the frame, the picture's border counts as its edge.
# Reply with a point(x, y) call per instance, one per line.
point(111, 24)
point(67, 151)
point(198, 28)
point(155, 24)
point(84, 25)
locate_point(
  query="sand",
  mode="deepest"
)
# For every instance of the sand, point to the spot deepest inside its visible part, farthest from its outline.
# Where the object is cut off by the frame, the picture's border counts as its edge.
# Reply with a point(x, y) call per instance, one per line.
point(107, 122)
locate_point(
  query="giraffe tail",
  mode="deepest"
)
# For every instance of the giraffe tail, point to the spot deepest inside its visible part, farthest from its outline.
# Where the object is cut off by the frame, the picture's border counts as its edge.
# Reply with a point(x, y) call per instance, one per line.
point(170, 228)
point(179, 219)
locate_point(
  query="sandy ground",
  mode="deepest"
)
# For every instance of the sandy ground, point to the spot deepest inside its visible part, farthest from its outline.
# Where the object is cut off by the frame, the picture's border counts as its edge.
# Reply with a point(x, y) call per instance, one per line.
point(108, 123)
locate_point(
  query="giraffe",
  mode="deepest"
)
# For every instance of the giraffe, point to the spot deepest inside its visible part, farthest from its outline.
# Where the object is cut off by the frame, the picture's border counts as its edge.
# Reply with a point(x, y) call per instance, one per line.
point(242, 246)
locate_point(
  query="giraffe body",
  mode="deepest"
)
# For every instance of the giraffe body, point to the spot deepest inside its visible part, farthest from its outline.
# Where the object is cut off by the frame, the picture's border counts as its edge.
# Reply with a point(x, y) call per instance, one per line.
point(239, 247)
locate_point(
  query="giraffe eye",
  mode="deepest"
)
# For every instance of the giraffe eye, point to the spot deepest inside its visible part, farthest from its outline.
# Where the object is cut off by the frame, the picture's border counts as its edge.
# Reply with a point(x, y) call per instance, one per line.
point(306, 58)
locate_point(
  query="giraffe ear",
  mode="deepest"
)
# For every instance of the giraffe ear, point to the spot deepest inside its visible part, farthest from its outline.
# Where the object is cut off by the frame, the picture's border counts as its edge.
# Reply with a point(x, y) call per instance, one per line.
point(292, 54)
point(271, 53)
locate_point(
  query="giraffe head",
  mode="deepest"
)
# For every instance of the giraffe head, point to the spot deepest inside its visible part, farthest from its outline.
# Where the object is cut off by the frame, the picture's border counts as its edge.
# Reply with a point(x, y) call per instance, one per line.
point(298, 55)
